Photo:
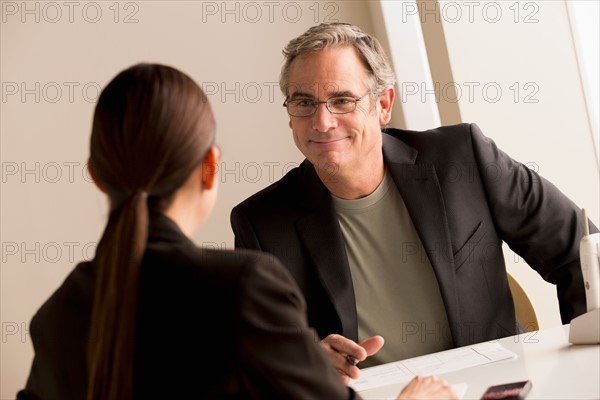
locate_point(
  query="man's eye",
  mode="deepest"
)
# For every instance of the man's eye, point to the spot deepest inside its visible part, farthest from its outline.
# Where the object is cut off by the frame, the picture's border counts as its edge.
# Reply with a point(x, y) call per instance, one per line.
point(304, 103)
point(340, 101)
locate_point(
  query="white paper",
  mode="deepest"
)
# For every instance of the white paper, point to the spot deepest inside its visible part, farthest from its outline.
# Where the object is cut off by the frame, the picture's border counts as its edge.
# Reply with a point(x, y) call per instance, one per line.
point(460, 389)
point(430, 364)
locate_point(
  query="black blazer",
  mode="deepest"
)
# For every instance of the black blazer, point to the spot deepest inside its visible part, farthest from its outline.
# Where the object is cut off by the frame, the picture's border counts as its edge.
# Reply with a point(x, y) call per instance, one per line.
point(465, 197)
point(211, 324)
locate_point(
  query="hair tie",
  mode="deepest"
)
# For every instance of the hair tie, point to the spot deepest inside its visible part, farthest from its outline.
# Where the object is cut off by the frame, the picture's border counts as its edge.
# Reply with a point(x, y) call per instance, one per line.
point(119, 199)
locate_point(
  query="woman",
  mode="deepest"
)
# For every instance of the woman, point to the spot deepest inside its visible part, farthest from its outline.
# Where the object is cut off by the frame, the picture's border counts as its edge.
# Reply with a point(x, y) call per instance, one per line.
point(153, 315)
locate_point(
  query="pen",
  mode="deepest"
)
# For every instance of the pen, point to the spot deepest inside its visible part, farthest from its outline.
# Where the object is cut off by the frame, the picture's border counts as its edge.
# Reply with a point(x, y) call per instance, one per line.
point(351, 360)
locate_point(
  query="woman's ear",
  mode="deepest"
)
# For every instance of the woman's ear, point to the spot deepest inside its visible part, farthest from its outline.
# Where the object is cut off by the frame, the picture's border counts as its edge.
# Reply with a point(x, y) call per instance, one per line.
point(94, 178)
point(210, 168)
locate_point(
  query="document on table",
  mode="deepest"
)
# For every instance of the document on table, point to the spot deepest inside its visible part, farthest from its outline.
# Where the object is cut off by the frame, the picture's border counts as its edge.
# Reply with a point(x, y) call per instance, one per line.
point(431, 364)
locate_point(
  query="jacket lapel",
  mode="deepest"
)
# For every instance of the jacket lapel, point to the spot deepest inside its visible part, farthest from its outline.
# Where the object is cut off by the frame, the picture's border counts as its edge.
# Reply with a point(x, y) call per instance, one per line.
point(420, 189)
point(320, 233)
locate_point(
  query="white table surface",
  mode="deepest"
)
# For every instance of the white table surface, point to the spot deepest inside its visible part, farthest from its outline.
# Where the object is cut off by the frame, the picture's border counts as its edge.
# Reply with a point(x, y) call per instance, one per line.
point(556, 368)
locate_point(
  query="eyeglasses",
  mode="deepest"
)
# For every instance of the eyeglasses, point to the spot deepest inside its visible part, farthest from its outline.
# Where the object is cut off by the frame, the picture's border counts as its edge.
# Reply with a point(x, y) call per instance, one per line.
point(335, 105)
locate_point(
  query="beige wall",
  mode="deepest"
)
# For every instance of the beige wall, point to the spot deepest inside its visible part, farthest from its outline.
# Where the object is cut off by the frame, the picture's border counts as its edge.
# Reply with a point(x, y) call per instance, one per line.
point(59, 210)
point(51, 214)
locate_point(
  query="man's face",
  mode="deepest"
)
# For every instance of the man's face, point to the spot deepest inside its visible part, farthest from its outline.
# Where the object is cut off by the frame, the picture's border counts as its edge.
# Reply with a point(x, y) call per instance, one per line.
point(341, 141)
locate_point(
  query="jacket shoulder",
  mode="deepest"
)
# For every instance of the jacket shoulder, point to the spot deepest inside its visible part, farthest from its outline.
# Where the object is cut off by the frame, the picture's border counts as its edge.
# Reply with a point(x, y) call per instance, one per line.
point(443, 143)
point(440, 133)
point(209, 263)
point(75, 291)
point(283, 191)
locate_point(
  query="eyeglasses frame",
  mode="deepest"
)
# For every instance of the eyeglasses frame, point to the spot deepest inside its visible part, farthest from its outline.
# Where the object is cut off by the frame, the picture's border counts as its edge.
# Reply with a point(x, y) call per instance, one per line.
point(326, 102)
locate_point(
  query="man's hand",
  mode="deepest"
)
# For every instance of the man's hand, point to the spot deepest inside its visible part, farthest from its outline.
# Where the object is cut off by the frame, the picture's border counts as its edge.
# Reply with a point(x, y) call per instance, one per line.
point(427, 387)
point(339, 349)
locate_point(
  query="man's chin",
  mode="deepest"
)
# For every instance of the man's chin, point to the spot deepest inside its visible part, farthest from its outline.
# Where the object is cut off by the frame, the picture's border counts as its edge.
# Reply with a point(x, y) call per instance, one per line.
point(326, 166)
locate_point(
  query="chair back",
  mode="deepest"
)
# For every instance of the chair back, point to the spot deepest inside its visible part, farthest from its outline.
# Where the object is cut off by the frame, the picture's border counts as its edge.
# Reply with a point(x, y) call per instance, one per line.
point(526, 314)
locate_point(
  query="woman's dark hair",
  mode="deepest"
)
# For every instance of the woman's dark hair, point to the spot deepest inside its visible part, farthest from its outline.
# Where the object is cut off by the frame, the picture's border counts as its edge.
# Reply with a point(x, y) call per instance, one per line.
point(152, 127)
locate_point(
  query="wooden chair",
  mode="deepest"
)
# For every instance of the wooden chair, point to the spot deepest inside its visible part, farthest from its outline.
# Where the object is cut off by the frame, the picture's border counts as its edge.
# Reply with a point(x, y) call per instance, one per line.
point(523, 307)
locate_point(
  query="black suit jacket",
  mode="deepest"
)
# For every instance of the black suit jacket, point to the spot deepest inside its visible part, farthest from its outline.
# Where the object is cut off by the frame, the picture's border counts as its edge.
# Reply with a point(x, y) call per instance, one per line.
point(465, 197)
point(211, 324)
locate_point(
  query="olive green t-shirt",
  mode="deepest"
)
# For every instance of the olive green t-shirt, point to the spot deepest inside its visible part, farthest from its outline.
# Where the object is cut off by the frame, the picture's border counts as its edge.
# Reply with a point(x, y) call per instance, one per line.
point(397, 294)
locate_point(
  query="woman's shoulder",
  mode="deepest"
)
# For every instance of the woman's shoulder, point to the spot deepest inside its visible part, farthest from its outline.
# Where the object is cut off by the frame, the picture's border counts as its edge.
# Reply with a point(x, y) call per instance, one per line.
point(208, 262)
point(77, 286)
point(70, 303)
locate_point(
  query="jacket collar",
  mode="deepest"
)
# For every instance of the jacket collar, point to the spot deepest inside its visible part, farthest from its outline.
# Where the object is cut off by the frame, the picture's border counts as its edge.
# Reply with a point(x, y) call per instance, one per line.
point(163, 229)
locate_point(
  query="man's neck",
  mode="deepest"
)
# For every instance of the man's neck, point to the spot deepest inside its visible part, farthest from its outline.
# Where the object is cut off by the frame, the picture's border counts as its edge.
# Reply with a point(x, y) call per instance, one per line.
point(353, 184)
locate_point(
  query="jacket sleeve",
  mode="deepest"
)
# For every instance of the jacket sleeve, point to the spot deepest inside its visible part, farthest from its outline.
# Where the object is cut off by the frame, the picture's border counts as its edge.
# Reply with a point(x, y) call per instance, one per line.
point(536, 220)
point(282, 357)
point(31, 389)
point(245, 236)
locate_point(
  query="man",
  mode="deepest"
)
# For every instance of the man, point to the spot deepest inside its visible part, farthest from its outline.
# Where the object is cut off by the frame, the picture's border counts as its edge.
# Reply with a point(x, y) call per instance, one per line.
point(399, 233)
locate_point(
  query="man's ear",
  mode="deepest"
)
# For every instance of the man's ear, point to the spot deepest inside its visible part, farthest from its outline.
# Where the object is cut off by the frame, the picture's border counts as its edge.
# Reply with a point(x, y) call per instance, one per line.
point(210, 168)
point(94, 178)
point(386, 101)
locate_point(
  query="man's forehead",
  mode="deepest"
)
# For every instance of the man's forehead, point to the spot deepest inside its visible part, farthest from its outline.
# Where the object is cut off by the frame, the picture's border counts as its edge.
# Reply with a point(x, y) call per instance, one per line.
point(321, 89)
point(314, 88)
point(334, 69)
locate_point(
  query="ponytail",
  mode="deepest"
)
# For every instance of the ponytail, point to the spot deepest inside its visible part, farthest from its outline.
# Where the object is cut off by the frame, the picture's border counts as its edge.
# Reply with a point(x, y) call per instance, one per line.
point(151, 126)
point(112, 330)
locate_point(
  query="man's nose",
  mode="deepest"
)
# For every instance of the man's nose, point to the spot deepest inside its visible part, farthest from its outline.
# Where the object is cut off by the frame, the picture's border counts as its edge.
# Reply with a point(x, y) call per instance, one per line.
point(323, 120)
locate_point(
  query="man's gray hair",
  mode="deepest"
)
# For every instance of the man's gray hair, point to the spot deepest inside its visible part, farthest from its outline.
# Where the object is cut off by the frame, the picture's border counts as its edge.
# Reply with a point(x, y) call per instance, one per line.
point(337, 34)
